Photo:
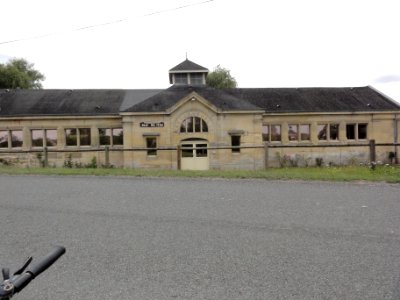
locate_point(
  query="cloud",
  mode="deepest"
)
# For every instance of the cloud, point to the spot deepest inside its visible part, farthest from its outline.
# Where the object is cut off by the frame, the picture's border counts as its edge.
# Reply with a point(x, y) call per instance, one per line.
point(387, 79)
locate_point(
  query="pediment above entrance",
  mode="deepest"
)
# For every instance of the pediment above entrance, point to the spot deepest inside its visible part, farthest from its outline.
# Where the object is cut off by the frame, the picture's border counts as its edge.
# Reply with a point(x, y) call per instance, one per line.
point(192, 99)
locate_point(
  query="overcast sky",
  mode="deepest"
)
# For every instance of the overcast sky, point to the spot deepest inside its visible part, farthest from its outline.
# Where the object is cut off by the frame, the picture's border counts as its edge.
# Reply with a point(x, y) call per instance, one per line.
point(264, 43)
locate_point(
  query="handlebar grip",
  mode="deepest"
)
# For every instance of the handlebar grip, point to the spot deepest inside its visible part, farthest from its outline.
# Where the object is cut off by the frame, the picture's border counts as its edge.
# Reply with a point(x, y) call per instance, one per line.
point(46, 262)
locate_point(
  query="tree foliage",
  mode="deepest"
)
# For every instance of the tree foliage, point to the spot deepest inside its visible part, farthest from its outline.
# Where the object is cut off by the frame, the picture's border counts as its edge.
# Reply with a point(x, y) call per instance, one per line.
point(221, 78)
point(19, 73)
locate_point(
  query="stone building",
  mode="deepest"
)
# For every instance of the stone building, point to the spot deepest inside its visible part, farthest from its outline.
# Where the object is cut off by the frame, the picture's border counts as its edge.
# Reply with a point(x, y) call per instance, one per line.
point(192, 126)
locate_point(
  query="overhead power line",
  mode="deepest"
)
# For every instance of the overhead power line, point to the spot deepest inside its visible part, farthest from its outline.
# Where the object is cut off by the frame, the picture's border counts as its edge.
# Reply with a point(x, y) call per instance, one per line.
point(107, 23)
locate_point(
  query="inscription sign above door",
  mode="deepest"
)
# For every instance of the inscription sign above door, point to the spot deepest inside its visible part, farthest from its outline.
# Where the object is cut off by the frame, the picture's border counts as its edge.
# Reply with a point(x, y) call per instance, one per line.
point(152, 124)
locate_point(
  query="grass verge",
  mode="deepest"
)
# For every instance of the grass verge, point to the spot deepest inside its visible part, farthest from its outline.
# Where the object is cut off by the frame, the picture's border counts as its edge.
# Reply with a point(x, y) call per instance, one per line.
point(389, 174)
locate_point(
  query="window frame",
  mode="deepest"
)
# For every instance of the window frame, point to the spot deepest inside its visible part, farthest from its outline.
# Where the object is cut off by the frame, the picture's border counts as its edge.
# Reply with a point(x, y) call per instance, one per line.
point(329, 131)
point(356, 131)
point(11, 145)
point(45, 143)
point(112, 137)
point(236, 146)
point(298, 132)
point(7, 139)
point(269, 134)
point(188, 125)
point(78, 137)
point(151, 151)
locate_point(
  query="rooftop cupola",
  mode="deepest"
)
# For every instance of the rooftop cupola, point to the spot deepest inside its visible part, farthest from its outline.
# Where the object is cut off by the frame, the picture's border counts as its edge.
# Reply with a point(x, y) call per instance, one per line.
point(188, 73)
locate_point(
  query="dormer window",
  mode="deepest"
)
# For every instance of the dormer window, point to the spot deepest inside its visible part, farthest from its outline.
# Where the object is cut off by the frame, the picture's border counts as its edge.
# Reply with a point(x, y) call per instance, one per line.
point(188, 72)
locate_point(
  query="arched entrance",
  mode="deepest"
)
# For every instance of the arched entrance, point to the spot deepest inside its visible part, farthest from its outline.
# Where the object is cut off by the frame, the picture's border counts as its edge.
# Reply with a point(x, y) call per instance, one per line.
point(194, 154)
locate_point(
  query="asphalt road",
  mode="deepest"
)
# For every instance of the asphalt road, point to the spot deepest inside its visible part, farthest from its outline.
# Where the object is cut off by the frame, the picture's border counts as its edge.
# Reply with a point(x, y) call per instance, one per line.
point(140, 238)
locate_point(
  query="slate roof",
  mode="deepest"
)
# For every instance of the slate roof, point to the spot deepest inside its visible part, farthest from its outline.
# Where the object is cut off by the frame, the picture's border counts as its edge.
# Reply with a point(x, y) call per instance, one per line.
point(69, 102)
point(270, 100)
point(188, 65)
point(221, 99)
point(296, 100)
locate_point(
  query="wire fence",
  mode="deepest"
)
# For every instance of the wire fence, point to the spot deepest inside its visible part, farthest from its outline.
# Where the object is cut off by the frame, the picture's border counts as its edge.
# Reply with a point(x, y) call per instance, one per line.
point(371, 149)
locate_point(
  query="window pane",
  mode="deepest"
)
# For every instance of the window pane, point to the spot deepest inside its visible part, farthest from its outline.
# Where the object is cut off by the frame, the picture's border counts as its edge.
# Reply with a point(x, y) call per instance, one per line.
point(37, 137)
point(187, 152)
point(196, 78)
point(204, 126)
point(197, 124)
point(351, 131)
point(151, 142)
point(189, 122)
point(3, 139)
point(105, 136)
point(322, 132)
point(118, 136)
point(275, 133)
point(16, 138)
point(235, 140)
point(84, 136)
point(183, 126)
point(265, 133)
point(71, 137)
point(293, 133)
point(181, 78)
point(333, 131)
point(51, 137)
point(362, 131)
point(201, 152)
point(305, 132)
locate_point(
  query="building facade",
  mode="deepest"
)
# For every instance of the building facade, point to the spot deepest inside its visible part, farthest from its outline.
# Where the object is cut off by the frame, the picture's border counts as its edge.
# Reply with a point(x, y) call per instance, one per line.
point(193, 126)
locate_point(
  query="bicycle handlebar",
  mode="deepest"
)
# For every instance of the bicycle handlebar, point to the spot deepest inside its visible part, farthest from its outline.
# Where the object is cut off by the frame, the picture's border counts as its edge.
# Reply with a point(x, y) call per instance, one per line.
point(20, 280)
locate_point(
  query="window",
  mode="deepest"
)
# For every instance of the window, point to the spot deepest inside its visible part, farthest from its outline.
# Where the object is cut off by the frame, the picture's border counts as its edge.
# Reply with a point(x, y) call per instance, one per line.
point(77, 137)
point(50, 137)
point(84, 136)
point(305, 132)
point(328, 132)
point(111, 136)
point(362, 131)
point(181, 78)
point(118, 137)
point(299, 132)
point(3, 139)
point(16, 138)
point(202, 152)
point(276, 135)
point(37, 138)
point(187, 150)
point(322, 132)
point(151, 145)
point(193, 124)
point(356, 131)
point(333, 131)
point(293, 132)
point(235, 142)
point(196, 78)
point(271, 133)
point(44, 137)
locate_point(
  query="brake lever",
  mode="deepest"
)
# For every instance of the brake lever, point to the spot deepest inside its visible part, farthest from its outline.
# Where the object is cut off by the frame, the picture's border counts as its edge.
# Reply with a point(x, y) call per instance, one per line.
point(24, 266)
point(6, 273)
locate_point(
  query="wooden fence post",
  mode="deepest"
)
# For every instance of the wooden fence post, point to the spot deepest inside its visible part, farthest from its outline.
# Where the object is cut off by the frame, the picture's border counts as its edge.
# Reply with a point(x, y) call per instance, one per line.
point(178, 157)
point(266, 155)
point(372, 151)
point(45, 157)
point(107, 156)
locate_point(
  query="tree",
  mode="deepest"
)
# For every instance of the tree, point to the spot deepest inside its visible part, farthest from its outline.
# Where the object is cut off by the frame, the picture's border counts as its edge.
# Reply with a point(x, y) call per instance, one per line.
point(19, 73)
point(221, 78)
